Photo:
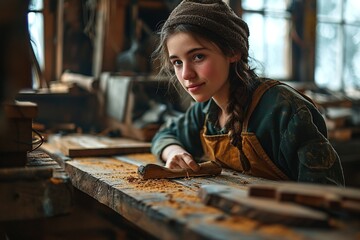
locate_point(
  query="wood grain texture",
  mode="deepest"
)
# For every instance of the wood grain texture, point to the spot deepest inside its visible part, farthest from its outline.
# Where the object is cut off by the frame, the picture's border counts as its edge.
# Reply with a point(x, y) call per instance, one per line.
point(171, 208)
point(237, 202)
point(40, 189)
point(80, 145)
point(165, 209)
point(326, 197)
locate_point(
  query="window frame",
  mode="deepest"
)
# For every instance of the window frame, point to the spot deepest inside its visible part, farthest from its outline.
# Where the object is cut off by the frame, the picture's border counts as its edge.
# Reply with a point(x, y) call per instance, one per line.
point(341, 23)
point(302, 63)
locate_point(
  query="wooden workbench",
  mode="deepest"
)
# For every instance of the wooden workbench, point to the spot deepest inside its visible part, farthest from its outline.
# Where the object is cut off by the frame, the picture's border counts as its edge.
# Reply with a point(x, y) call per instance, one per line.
point(40, 189)
point(172, 209)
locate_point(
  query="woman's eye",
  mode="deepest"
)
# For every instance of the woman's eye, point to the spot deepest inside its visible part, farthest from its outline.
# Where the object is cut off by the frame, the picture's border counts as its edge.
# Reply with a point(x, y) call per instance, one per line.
point(198, 57)
point(176, 62)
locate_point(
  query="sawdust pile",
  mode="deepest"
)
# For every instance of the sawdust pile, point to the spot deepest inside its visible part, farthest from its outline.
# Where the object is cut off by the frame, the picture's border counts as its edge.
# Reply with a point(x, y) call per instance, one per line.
point(250, 226)
point(182, 199)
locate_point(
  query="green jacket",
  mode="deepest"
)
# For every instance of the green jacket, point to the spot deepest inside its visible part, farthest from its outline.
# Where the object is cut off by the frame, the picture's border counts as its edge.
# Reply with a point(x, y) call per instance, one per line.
point(290, 129)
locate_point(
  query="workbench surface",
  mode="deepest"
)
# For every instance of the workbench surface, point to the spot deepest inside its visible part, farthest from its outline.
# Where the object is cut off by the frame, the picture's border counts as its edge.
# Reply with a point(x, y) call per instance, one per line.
point(172, 209)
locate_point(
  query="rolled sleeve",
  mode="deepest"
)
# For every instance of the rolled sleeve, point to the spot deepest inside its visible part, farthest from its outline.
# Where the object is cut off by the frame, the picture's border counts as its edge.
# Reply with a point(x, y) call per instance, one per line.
point(183, 131)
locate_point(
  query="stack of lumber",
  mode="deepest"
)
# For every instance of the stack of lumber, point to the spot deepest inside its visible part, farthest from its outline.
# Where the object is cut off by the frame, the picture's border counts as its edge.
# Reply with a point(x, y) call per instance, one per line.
point(298, 204)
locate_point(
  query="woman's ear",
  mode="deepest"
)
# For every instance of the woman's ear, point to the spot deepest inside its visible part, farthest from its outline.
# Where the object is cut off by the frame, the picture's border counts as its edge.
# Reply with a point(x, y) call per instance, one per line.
point(234, 58)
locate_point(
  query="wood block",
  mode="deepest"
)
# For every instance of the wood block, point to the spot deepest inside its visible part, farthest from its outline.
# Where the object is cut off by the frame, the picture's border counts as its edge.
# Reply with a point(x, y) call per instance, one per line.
point(16, 136)
point(20, 109)
point(16, 133)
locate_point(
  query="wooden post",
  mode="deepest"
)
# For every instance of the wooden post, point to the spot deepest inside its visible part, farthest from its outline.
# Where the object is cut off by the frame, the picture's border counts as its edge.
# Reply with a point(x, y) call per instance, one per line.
point(110, 28)
point(303, 35)
point(49, 45)
point(15, 63)
point(309, 40)
point(59, 39)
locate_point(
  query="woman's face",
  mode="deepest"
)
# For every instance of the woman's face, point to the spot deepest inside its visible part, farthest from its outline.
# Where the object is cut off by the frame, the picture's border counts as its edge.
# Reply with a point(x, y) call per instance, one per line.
point(200, 66)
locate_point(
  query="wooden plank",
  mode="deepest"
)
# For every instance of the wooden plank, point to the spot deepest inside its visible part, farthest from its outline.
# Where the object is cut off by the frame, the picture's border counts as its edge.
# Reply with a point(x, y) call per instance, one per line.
point(80, 145)
point(163, 208)
point(238, 202)
point(89, 83)
point(171, 209)
point(227, 177)
point(8, 174)
point(314, 195)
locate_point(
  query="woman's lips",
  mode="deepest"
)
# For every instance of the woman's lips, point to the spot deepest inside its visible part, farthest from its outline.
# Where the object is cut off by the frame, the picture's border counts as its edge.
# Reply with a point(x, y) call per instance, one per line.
point(195, 87)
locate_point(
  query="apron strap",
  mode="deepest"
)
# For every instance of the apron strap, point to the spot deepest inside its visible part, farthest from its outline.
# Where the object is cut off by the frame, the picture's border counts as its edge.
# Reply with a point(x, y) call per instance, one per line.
point(258, 93)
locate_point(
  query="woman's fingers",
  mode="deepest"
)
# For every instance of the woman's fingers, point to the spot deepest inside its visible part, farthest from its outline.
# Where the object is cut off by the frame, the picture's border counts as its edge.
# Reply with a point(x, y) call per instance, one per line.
point(190, 162)
point(182, 161)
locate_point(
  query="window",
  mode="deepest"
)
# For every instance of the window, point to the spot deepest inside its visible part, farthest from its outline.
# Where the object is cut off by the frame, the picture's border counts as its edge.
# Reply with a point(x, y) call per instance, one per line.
point(36, 30)
point(336, 63)
point(338, 45)
point(269, 23)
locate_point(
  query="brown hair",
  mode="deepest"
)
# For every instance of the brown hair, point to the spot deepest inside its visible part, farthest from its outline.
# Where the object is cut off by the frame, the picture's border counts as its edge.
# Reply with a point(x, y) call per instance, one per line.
point(243, 79)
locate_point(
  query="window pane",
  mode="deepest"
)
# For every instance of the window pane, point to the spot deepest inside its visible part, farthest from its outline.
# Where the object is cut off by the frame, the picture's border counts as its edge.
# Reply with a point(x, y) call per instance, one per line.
point(328, 56)
point(352, 58)
point(329, 9)
point(268, 37)
point(352, 11)
point(277, 48)
point(36, 29)
point(36, 5)
point(253, 4)
point(269, 45)
point(256, 39)
point(276, 5)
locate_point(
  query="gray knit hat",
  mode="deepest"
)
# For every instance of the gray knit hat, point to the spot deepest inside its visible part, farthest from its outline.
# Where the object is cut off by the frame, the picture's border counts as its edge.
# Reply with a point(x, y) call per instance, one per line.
point(215, 16)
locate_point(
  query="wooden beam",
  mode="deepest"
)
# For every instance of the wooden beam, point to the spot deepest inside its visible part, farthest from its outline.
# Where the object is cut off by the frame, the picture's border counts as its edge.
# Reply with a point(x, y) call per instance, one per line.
point(109, 41)
point(49, 40)
point(59, 39)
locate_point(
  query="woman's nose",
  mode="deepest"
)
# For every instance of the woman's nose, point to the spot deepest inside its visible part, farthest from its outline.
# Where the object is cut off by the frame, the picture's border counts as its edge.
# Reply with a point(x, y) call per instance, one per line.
point(188, 72)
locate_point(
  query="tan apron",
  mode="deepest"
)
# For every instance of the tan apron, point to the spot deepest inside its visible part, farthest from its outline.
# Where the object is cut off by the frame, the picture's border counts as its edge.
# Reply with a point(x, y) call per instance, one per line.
point(219, 147)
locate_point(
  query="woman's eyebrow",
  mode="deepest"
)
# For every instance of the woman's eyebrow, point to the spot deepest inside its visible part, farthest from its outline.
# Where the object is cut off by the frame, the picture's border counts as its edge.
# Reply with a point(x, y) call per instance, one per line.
point(188, 52)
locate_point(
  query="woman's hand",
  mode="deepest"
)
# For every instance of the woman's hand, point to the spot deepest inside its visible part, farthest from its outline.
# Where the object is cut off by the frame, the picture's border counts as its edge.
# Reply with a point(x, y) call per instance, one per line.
point(178, 158)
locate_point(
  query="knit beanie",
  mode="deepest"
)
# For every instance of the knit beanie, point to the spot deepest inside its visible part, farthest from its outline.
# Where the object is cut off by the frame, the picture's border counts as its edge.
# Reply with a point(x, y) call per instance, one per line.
point(215, 16)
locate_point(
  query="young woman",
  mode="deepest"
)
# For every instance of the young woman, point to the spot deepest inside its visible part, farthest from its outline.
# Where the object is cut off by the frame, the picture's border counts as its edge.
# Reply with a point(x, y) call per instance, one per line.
point(257, 126)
